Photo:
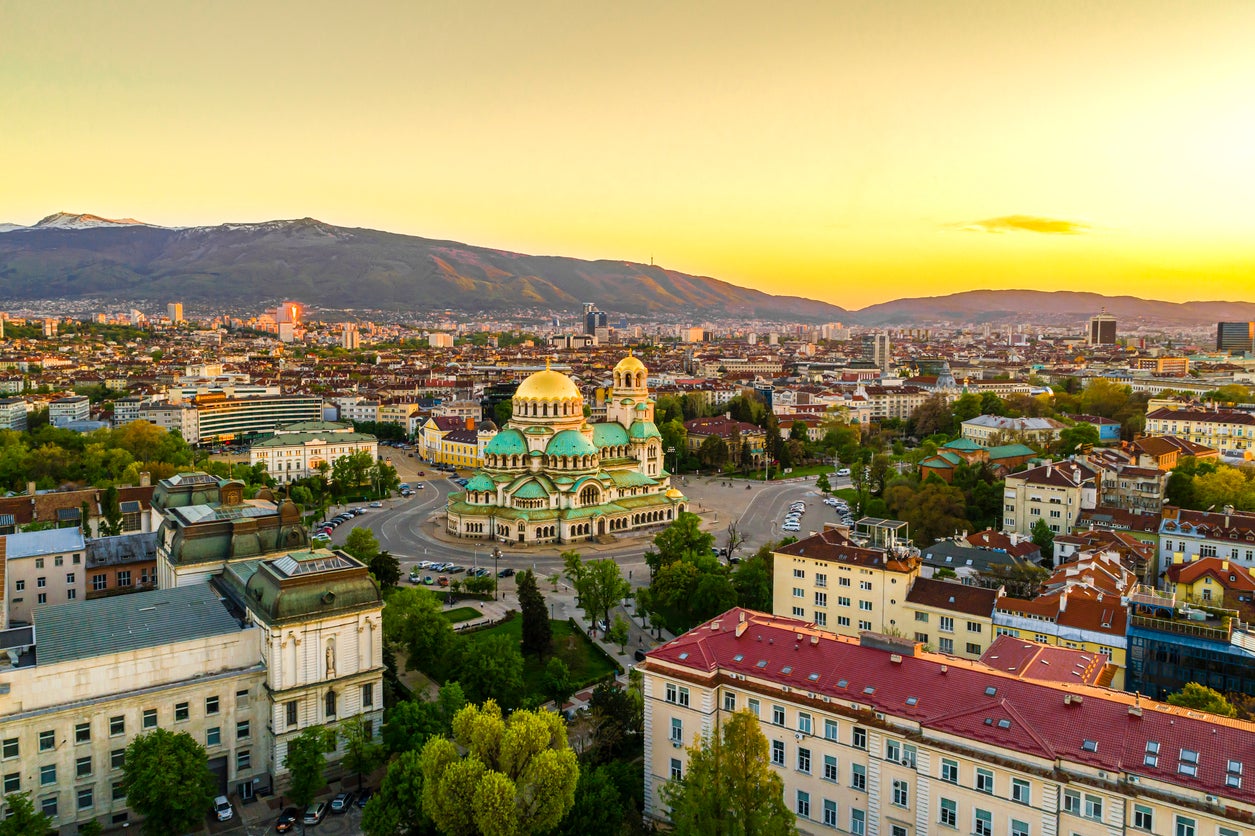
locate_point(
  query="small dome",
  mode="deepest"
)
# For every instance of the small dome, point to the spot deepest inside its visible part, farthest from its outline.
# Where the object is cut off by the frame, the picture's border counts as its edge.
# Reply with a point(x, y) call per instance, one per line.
point(570, 443)
point(507, 443)
point(644, 429)
point(630, 364)
point(480, 482)
point(531, 490)
point(547, 386)
point(609, 435)
point(674, 494)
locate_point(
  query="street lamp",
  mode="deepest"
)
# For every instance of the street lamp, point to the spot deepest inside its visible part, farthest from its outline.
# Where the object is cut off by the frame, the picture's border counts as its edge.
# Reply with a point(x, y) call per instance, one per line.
point(496, 576)
point(675, 461)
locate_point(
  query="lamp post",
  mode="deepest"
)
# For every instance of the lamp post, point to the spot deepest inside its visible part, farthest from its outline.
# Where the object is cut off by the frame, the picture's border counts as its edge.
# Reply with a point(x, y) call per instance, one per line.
point(675, 461)
point(496, 576)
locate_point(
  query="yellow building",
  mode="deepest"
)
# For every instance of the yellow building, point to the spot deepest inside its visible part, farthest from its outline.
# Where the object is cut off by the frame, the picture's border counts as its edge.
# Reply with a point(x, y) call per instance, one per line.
point(877, 736)
point(397, 413)
point(465, 448)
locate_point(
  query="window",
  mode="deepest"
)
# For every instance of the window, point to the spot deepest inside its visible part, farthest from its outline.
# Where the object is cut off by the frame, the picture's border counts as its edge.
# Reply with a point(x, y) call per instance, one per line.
point(973, 649)
point(290, 711)
point(1143, 817)
point(803, 804)
point(329, 703)
point(181, 712)
point(830, 769)
point(213, 736)
point(832, 730)
point(48, 775)
point(821, 580)
point(48, 806)
point(124, 578)
point(799, 612)
point(945, 624)
point(729, 701)
point(150, 718)
point(1072, 802)
point(1021, 791)
point(860, 738)
point(684, 697)
point(798, 592)
point(974, 627)
point(117, 726)
point(983, 823)
point(1185, 827)
point(243, 730)
point(864, 625)
point(1019, 828)
point(777, 752)
point(897, 830)
point(1093, 807)
point(10, 748)
point(83, 767)
point(830, 812)
point(777, 715)
point(243, 760)
point(99, 582)
point(843, 621)
point(858, 822)
point(945, 645)
point(41, 598)
point(19, 586)
point(677, 771)
point(803, 723)
point(866, 606)
point(677, 730)
point(59, 560)
point(921, 617)
point(47, 741)
point(671, 692)
point(858, 776)
point(843, 601)
point(1189, 762)
point(1226, 831)
point(984, 781)
point(901, 793)
point(821, 618)
point(83, 733)
point(753, 707)
point(866, 586)
point(211, 705)
point(843, 581)
point(803, 760)
point(117, 758)
point(12, 782)
point(949, 816)
point(950, 771)
point(799, 573)
point(368, 695)
point(821, 599)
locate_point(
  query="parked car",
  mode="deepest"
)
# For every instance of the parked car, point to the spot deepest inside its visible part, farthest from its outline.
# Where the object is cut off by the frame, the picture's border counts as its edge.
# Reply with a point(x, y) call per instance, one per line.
point(639, 655)
point(428, 580)
point(442, 581)
point(505, 573)
point(364, 797)
point(287, 820)
point(342, 802)
point(223, 809)
point(376, 505)
point(415, 577)
point(845, 471)
point(315, 813)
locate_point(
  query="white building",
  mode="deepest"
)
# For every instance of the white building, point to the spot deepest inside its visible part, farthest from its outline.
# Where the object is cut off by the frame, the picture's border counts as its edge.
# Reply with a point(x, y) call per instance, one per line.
point(67, 410)
point(298, 451)
point(12, 414)
point(173, 416)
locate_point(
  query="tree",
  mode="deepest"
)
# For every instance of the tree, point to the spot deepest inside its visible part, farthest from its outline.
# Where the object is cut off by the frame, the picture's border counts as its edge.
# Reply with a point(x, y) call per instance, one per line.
point(1077, 437)
point(397, 809)
point(362, 753)
point(361, 543)
point(619, 632)
point(600, 585)
point(823, 484)
point(683, 538)
point(516, 776)
point(1202, 698)
point(387, 569)
point(167, 781)
point(1044, 538)
point(734, 539)
point(598, 809)
point(616, 719)
point(111, 513)
point(409, 723)
point(414, 620)
point(752, 581)
point(22, 819)
point(729, 787)
point(558, 684)
point(492, 669)
point(713, 451)
point(537, 631)
point(306, 761)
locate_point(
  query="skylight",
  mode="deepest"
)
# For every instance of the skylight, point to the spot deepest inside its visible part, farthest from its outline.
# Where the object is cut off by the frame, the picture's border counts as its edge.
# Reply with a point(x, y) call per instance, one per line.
point(1090, 745)
point(843, 683)
point(1004, 724)
point(738, 657)
point(869, 690)
point(912, 700)
point(786, 670)
point(684, 656)
point(813, 677)
point(762, 663)
point(990, 691)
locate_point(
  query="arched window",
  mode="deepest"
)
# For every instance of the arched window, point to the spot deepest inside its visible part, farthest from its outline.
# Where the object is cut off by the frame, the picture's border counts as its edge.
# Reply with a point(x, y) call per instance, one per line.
point(590, 495)
point(330, 703)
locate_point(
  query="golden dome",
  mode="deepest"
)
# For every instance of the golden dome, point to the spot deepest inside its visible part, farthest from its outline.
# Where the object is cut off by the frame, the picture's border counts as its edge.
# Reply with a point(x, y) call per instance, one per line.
point(548, 386)
point(630, 364)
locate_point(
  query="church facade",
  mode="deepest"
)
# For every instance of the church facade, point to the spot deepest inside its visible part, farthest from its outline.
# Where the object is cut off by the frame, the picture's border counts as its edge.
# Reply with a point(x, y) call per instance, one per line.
point(550, 476)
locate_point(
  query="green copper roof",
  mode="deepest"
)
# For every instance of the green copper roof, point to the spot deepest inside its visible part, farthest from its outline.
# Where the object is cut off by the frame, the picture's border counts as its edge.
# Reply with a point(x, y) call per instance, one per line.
point(507, 443)
point(1011, 451)
point(631, 479)
point(609, 435)
point(480, 482)
point(644, 429)
point(530, 490)
point(965, 444)
point(294, 438)
point(570, 443)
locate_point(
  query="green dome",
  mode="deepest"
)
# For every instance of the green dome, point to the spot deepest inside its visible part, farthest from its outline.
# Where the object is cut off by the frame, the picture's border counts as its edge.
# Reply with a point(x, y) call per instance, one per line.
point(480, 482)
point(531, 490)
point(506, 443)
point(644, 429)
point(570, 443)
point(609, 435)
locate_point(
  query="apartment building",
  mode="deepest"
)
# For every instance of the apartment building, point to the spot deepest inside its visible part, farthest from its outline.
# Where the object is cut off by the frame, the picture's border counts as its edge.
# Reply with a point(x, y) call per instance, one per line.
point(1056, 492)
point(298, 451)
point(734, 434)
point(43, 568)
point(13, 414)
point(1221, 429)
point(1186, 536)
point(893, 401)
point(67, 410)
point(951, 617)
point(875, 735)
point(223, 418)
point(995, 430)
point(181, 417)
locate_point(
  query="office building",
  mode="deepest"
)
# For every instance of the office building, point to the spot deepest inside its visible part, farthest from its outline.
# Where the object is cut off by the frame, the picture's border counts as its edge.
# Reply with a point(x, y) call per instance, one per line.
point(875, 735)
point(875, 349)
point(1102, 330)
point(63, 411)
point(12, 414)
point(596, 324)
point(174, 311)
point(223, 418)
point(1235, 337)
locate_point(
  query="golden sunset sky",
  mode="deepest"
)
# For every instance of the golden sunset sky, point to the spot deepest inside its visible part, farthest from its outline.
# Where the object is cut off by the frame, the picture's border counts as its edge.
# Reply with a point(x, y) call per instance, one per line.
point(848, 151)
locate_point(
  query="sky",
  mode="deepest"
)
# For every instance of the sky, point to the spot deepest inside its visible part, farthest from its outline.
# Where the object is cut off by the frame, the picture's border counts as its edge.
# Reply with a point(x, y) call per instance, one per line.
point(848, 151)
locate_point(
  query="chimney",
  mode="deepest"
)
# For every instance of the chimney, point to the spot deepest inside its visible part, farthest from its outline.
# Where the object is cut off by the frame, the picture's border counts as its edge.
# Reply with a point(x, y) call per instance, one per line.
point(30, 488)
point(1050, 469)
point(145, 479)
point(1063, 601)
point(470, 423)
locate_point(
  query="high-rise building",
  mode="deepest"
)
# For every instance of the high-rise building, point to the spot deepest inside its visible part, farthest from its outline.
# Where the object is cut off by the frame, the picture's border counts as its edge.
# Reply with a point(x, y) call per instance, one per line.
point(1102, 330)
point(876, 350)
point(1235, 337)
point(596, 324)
point(349, 338)
point(174, 311)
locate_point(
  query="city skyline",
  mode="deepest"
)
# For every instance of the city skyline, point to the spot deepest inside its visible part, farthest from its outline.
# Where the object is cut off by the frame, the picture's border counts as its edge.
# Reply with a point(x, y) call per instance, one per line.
point(846, 153)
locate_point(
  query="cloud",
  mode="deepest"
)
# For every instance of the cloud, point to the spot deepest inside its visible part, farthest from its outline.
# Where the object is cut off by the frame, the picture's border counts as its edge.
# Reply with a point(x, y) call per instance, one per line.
point(1025, 223)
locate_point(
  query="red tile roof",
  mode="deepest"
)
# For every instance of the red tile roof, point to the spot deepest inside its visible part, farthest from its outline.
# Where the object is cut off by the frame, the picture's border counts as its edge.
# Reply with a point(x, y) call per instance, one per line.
point(1043, 662)
point(965, 698)
point(952, 595)
point(831, 544)
point(1229, 574)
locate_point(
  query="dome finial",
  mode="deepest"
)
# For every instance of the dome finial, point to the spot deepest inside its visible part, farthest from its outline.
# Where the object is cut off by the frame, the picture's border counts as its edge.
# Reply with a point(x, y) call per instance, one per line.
point(546, 364)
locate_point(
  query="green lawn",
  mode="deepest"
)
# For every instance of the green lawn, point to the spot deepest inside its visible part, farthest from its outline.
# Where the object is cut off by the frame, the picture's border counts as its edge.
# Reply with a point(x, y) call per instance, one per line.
point(798, 471)
point(462, 614)
point(586, 663)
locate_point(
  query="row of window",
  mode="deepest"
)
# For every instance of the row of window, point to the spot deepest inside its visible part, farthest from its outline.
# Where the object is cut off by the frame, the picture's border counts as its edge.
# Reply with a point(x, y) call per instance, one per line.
point(59, 560)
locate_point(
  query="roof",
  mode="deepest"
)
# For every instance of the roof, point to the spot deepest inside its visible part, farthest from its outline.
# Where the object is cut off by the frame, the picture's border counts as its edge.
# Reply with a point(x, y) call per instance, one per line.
point(530, 490)
point(1202, 416)
point(947, 696)
point(295, 439)
point(1228, 573)
point(951, 595)
point(570, 443)
point(506, 443)
point(49, 541)
point(644, 429)
point(547, 385)
point(1217, 526)
point(946, 554)
point(609, 435)
point(998, 422)
point(1011, 451)
point(140, 547)
point(480, 482)
point(1065, 474)
point(1044, 662)
point(832, 545)
point(964, 444)
point(85, 629)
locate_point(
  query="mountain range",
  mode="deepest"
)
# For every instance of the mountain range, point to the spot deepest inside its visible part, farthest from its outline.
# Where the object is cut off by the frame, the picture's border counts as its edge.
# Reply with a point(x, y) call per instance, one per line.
point(87, 256)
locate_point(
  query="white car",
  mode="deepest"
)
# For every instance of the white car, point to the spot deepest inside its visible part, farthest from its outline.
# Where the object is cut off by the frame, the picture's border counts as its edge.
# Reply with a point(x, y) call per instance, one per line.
point(790, 527)
point(845, 471)
point(223, 809)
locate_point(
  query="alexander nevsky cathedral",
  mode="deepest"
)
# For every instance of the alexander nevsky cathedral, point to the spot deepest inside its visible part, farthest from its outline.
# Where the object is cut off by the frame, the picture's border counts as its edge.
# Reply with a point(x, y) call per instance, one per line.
point(551, 477)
